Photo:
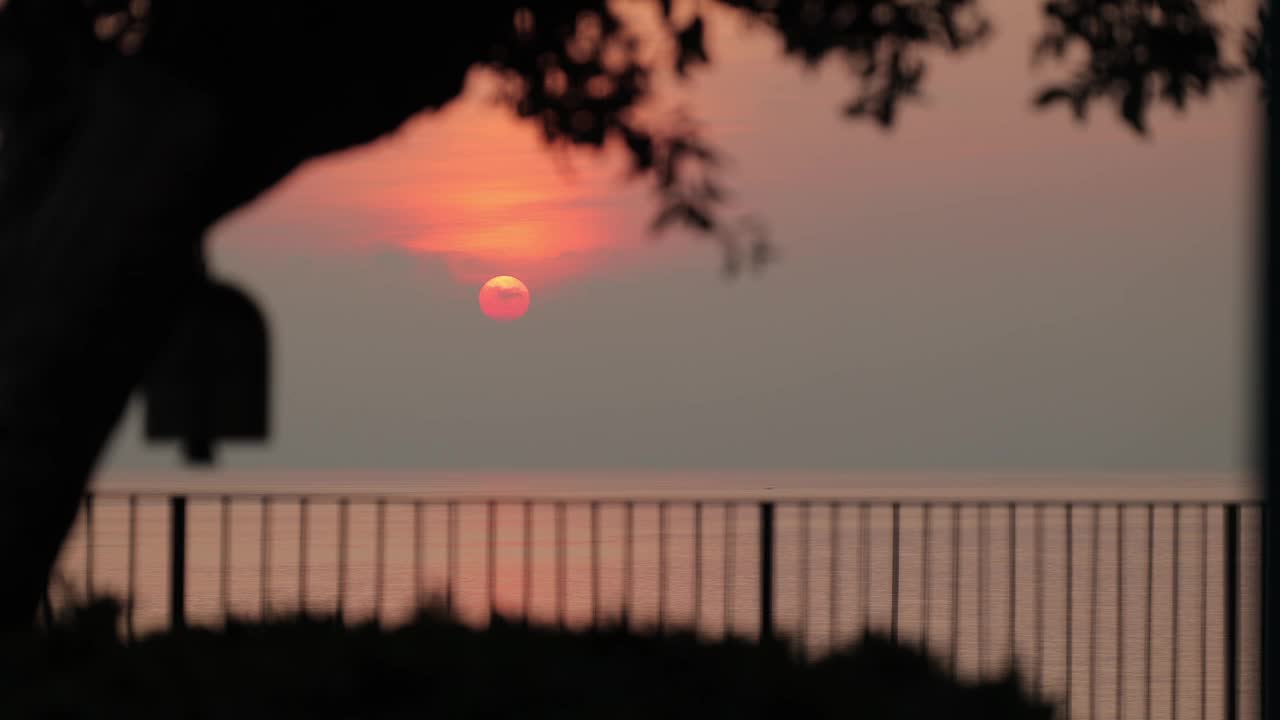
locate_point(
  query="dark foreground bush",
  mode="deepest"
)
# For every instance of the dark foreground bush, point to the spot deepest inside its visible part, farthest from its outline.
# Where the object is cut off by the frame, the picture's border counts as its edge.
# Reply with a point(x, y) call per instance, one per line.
point(435, 668)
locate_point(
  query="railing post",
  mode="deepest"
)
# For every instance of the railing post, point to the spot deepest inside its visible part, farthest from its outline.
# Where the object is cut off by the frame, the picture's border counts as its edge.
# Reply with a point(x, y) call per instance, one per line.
point(1265, 616)
point(177, 562)
point(766, 572)
point(1231, 610)
point(893, 607)
point(341, 604)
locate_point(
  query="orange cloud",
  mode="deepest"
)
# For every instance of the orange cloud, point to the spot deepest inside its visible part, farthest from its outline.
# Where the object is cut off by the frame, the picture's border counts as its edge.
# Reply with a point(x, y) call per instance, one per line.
point(476, 188)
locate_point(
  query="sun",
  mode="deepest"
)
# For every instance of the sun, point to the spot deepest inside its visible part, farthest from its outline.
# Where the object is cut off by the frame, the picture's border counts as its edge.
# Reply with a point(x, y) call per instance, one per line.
point(504, 298)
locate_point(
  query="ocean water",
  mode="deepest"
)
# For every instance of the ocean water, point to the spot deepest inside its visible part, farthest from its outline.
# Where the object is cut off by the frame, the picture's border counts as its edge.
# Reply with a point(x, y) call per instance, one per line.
point(1117, 603)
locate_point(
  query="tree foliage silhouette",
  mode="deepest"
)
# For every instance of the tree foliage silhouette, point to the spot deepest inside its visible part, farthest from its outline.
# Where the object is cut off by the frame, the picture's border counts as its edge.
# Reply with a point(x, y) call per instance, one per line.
point(129, 126)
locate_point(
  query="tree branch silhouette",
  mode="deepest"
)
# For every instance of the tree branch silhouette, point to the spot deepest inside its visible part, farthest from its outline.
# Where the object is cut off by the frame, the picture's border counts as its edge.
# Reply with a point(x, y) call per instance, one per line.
point(1136, 52)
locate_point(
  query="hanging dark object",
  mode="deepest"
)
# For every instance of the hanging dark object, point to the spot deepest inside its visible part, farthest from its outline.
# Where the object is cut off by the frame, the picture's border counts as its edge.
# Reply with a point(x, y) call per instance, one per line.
point(212, 380)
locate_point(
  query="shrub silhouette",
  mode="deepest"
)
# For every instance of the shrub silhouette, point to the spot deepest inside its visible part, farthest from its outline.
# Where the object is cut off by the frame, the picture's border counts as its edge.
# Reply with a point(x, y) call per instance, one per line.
point(434, 667)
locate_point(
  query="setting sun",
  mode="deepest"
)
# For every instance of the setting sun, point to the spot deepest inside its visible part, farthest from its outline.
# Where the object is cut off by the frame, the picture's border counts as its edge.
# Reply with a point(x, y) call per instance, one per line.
point(504, 298)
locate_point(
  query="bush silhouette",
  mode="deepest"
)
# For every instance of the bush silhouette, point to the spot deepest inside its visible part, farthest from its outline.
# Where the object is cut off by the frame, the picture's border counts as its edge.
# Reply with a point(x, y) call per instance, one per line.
point(434, 667)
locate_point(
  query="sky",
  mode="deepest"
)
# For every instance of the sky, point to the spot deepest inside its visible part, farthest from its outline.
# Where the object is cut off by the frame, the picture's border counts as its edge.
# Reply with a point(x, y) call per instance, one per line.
point(983, 287)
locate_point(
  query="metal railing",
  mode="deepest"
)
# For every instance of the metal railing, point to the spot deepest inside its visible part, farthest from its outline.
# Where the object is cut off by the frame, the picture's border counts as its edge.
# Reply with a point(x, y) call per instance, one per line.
point(1122, 609)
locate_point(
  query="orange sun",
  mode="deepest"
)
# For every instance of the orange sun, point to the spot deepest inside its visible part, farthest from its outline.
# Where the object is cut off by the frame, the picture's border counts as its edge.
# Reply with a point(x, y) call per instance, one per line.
point(504, 298)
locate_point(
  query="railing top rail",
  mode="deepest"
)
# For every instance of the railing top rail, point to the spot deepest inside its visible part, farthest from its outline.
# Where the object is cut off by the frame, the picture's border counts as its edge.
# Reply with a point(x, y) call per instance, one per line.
point(876, 501)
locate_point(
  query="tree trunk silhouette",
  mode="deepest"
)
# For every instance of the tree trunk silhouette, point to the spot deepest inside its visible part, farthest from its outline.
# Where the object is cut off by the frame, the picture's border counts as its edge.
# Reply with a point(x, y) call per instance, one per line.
point(98, 268)
point(111, 172)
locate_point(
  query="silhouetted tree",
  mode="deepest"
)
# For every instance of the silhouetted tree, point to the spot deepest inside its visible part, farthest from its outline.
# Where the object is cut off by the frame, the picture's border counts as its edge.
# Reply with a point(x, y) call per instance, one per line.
point(130, 126)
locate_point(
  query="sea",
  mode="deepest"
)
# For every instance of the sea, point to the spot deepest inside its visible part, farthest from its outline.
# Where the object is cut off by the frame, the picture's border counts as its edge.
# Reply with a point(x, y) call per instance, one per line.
point(1108, 592)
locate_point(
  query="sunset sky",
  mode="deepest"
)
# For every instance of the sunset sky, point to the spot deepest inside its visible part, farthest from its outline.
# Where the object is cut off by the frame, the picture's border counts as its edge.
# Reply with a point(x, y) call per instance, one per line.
point(983, 287)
